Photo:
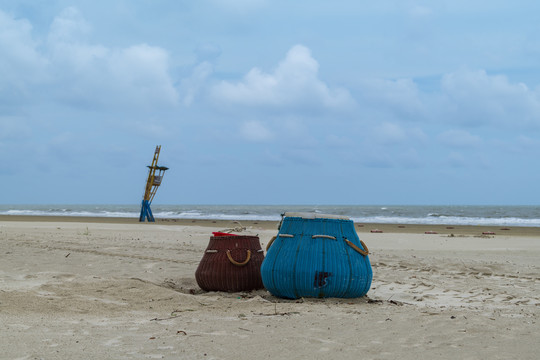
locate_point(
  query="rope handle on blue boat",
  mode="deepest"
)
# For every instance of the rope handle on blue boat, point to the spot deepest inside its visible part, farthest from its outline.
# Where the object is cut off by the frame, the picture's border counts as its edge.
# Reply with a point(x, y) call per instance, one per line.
point(270, 242)
point(275, 237)
point(236, 262)
point(324, 237)
point(358, 250)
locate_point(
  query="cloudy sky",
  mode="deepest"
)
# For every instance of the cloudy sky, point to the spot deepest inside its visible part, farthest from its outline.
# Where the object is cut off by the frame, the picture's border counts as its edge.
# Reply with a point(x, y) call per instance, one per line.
point(270, 102)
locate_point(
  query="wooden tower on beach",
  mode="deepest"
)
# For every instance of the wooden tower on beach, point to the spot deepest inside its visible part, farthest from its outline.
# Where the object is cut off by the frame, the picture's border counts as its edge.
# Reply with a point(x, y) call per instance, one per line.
point(155, 177)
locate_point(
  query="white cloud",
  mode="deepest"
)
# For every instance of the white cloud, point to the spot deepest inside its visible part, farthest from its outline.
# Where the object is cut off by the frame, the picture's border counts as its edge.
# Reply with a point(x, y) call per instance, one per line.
point(69, 26)
point(21, 65)
point(92, 74)
point(78, 72)
point(142, 72)
point(476, 98)
point(294, 83)
point(194, 84)
point(465, 97)
point(67, 47)
point(255, 131)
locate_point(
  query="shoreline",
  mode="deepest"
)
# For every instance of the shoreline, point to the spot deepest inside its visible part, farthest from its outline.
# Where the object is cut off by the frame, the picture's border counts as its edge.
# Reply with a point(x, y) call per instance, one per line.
point(442, 229)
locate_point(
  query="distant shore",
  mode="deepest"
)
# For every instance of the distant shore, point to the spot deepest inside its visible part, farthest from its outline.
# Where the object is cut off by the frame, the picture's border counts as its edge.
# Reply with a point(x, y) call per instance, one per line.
point(457, 230)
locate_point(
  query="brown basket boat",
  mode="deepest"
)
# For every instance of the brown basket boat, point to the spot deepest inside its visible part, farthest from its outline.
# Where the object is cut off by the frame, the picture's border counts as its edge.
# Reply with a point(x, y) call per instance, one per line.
point(231, 263)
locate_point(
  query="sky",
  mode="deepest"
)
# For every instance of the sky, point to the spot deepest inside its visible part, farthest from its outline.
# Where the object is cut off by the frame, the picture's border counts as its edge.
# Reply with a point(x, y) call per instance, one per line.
point(270, 101)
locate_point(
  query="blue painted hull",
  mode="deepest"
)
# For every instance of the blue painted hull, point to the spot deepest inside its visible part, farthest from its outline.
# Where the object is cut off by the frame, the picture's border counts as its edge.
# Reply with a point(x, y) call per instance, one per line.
point(312, 258)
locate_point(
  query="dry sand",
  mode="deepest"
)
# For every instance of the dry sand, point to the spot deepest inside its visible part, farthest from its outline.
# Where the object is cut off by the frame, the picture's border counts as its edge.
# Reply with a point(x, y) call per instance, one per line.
point(89, 288)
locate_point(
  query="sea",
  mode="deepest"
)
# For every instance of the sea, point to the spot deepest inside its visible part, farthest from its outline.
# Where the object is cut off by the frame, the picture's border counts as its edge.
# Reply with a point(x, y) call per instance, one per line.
point(394, 214)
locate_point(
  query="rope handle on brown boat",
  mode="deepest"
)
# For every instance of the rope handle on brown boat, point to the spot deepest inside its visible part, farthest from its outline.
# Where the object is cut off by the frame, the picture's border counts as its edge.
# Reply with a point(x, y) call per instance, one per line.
point(236, 262)
point(356, 248)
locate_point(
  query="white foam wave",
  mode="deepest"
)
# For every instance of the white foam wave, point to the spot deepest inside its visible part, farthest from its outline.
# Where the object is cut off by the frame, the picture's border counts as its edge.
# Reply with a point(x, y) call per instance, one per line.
point(522, 216)
point(218, 216)
point(450, 220)
point(70, 213)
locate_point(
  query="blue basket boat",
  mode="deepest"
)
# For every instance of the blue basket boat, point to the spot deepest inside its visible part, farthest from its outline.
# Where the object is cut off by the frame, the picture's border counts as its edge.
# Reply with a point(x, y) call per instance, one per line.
point(316, 255)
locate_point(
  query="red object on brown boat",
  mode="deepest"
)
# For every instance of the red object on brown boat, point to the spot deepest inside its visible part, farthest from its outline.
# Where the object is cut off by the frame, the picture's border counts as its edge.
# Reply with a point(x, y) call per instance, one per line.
point(231, 263)
point(219, 233)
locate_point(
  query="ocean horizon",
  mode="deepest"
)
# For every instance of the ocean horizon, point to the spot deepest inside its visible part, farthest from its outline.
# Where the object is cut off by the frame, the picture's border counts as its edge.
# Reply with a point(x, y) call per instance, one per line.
point(504, 215)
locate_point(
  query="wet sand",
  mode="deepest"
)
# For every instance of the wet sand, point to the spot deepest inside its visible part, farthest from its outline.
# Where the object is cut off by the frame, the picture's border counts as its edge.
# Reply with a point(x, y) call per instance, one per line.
point(473, 230)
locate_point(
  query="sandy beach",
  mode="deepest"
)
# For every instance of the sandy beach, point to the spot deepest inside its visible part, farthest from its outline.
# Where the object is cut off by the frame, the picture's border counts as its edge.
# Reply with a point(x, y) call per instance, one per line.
point(113, 288)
